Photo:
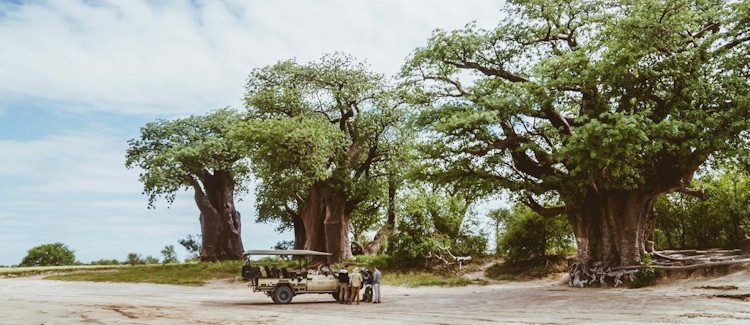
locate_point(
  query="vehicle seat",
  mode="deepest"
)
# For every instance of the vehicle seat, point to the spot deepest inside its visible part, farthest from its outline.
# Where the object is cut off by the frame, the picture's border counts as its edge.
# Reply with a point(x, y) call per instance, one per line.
point(285, 273)
point(275, 272)
point(265, 272)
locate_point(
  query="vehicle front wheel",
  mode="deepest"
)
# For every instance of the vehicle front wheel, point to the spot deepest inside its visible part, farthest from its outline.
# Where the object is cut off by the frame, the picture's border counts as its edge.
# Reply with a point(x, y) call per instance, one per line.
point(283, 295)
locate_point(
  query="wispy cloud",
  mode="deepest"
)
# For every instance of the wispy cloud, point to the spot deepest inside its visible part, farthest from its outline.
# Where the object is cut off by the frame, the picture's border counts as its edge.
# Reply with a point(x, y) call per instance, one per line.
point(142, 57)
point(75, 163)
point(112, 64)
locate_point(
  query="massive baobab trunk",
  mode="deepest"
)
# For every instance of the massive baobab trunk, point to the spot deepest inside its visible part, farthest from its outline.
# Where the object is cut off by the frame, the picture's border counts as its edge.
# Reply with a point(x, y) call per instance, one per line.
point(220, 222)
point(326, 218)
point(612, 228)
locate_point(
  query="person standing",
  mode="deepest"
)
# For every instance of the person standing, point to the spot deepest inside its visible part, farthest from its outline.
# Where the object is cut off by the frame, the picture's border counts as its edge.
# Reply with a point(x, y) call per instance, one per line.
point(367, 296)
point(376, 277)
point(343, 285)
point(355, 282)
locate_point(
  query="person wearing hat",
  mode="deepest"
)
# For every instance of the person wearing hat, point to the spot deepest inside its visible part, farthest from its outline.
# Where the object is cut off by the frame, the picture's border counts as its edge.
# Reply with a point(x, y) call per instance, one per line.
point(355, 282)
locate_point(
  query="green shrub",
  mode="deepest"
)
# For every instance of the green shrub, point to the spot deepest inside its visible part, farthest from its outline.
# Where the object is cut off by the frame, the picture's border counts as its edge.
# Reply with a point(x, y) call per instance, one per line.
point(55, 254)
point(105, 262)
point(646, 276)
point(432, 219)
point(369, 261)
point(529, 236)
point(170, 256)
point(137, 259)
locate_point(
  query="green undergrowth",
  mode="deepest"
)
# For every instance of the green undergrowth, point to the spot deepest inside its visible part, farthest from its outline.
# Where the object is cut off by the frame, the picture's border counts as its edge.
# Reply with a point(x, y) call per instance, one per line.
point(646, 276)
point(180, 274)
point(531, 269)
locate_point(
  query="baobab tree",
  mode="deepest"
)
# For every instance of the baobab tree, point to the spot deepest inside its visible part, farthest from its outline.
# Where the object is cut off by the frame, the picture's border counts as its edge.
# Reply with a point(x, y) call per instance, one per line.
point(195, 154)
point(329, 127)
point(600, 106)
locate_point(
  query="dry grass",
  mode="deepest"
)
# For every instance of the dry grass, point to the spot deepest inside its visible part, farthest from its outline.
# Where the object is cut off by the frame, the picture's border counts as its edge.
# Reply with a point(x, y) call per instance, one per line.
point(180, 274)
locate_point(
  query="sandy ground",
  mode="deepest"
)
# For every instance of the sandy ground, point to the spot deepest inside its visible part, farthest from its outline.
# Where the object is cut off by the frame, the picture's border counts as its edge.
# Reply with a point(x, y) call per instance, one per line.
point(32, 300)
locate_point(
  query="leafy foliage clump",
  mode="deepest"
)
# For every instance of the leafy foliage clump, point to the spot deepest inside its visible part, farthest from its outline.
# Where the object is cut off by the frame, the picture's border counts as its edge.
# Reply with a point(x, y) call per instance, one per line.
point(529, 236)
point(192, 243)
point(646, 276)
point(684, 222)
point(55, 254)
point(137, 259)
point(178, 154)
point(170, 256)
point(431, 222)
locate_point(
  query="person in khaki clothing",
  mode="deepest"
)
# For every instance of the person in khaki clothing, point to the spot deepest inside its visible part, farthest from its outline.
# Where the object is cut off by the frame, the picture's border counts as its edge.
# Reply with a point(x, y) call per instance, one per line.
point(355, 282)
point(343, 286)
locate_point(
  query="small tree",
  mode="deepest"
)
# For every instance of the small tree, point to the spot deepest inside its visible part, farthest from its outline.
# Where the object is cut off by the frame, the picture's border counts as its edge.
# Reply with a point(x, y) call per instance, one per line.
point(49, 255)
point(170, 256)
point(134, 259)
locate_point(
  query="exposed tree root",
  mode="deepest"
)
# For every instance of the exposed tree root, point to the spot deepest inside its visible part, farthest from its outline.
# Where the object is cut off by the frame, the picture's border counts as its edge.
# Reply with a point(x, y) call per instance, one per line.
point(581, 275)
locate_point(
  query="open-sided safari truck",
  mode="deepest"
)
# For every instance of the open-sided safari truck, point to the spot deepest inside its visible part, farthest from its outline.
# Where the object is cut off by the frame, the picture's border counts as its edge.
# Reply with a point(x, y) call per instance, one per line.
point(282, 284)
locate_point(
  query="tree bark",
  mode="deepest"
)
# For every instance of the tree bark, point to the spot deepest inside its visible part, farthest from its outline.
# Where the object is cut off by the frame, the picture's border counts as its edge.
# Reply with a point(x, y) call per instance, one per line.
point(326, 219)
point(379, 244)
point(220, 221)
point(299, 232)
point(611, 228)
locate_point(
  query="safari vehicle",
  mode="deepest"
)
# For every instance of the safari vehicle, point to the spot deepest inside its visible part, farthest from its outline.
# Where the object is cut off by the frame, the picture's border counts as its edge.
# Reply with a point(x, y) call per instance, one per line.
point(282, 284)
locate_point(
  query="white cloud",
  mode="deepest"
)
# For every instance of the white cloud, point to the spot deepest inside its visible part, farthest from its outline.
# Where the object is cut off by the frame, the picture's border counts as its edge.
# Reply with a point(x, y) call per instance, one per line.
point(76, 163)
point(142, 57)
point(159, 58)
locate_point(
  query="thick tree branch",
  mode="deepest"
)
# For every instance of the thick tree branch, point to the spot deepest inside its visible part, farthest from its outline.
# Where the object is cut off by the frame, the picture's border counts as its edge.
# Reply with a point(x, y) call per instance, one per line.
point(544, 211)
point(693, 192)
point(557, 119)
point(713, 27)
point(507, 75)
point(371, 155)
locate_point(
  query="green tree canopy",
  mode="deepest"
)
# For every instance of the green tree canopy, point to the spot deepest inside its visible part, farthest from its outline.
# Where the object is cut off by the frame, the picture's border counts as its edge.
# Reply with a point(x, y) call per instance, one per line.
point(434, 221)
point(195, 153)
point(55, 254)
point(176, 155)
point(603, 105)
point(320, 134)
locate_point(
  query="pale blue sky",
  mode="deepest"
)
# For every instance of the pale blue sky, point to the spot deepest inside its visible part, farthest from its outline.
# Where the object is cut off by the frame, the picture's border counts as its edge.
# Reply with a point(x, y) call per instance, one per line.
point(79, 77)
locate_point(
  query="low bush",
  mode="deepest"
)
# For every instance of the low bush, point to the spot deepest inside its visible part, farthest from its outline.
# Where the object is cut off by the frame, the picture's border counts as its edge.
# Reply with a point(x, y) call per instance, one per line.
point(56, 254)
point(646, 276)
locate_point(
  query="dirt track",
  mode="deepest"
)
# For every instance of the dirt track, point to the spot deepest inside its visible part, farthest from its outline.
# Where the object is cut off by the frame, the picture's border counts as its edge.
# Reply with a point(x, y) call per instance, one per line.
point(36, 301)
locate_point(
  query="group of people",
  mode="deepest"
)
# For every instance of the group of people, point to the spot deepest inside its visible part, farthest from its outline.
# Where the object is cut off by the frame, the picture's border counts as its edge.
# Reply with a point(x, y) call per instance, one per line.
point(350, 285)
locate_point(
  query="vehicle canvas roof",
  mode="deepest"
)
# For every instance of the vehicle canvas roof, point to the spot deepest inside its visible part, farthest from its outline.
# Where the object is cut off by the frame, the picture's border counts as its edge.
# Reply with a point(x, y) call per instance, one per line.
point(286, 252)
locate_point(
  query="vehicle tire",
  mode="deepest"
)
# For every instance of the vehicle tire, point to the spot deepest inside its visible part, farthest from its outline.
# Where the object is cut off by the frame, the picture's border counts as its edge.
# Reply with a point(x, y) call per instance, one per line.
point(335, 295)
point(283, 295)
